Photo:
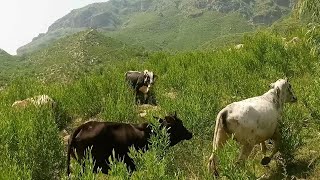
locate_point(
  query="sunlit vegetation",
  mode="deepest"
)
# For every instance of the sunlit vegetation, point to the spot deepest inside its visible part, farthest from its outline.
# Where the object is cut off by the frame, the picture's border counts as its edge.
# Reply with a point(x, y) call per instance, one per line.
point(196, 84)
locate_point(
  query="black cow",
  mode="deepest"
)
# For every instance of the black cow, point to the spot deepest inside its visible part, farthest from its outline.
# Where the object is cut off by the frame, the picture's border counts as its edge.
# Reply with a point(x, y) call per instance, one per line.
point(103, 137)
point(141, 82)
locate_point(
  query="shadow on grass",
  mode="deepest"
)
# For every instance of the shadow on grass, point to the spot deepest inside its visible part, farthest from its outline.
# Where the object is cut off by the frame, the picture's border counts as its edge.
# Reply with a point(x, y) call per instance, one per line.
point(299, 169)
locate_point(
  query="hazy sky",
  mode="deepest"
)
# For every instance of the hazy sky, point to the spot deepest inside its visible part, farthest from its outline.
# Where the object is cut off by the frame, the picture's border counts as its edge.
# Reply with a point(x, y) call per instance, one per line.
point(21, 20)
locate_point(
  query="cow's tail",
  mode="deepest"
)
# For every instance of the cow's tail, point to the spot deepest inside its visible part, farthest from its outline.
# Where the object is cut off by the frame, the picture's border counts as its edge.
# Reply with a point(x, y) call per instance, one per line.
point(221, 122)
point(70, 147)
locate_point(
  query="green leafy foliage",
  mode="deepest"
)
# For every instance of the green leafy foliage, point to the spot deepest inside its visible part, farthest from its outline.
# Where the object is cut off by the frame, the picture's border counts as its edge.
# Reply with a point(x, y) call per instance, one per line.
point(227, 161)
point(84, 169)
point(153, 163)
point(310, 9)
point(30, 141)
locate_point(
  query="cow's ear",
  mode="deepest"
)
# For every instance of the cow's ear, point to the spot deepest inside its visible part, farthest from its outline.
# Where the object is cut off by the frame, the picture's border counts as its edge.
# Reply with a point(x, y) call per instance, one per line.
point(155, 77)
point(271, 85)
point(175, 113)
point(286, 78)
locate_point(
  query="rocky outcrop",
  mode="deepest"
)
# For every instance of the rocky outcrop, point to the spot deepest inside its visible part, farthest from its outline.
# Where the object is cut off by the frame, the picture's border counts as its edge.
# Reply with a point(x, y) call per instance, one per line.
point(269, 17)
point(258, 11)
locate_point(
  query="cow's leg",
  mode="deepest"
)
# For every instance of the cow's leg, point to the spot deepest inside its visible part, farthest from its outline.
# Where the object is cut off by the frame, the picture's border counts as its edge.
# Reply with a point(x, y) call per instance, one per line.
point(245, 152)
point(130, 164)
point(152, 98)
point(264, 161)
point(79, 155)
point(277, 139)
point(82, 163)
point(102, 165)
point(145, 98)
point(263, 148)
point(149, 98)
point(138, 98)
point(221, 137)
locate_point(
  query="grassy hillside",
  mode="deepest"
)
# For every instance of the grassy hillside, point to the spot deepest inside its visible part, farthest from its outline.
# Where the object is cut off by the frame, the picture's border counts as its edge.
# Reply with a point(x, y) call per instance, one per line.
point(175, 32)
point(8, 67)
point(68, 58)
point(167, 23)
point(81, 53)
point(44, 40)
point(203, 83)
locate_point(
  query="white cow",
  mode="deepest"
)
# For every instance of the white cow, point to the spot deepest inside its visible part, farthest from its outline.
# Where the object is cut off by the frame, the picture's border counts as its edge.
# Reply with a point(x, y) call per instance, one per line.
point(36, 100)
point(252, 121)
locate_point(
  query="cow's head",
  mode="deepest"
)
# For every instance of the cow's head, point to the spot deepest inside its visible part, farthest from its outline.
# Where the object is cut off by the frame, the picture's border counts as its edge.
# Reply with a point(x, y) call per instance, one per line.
point(177, 132)
point(149, 77)
point(284, 90)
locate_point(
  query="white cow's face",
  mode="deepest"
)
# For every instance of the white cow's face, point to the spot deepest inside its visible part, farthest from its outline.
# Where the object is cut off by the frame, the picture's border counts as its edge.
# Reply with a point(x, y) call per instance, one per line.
point(149, 77)
point(285, 90)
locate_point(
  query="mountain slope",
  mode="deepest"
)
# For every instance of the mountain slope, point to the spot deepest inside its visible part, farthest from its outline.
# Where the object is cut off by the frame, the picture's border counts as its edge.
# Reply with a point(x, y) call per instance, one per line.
point(182, 33)
point(83, 52)
point(8, 65)
point(168, 18)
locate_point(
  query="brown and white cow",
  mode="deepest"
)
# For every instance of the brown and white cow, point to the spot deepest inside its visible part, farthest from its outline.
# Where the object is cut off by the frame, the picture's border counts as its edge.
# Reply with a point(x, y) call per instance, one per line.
point(252, 121)
point(141, 82)
point(104, 137)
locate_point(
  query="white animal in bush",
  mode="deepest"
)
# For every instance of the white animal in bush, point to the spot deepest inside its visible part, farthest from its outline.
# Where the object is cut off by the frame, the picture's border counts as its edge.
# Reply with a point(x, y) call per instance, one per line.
point(39, 100)
point(252, 121)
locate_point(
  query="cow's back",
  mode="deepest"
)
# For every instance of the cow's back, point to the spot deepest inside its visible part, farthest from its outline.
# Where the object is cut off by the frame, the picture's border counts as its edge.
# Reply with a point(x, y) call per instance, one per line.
point(108, 135)
point(91, 130)
point(133, 77)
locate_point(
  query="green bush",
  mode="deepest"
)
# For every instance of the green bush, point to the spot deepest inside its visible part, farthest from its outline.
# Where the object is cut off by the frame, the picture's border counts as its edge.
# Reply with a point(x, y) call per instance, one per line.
point(227, 163)
point(195, 84)
point(84, 169)
point(31, 140)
